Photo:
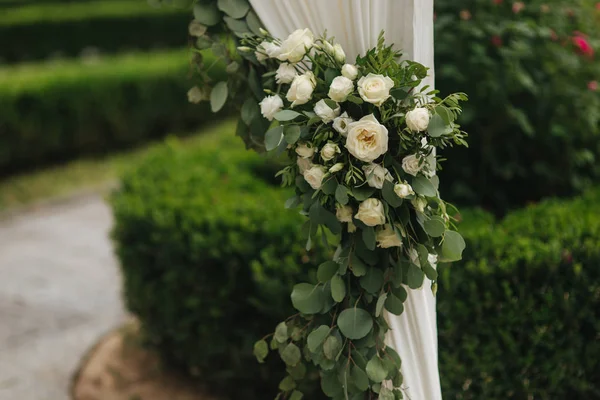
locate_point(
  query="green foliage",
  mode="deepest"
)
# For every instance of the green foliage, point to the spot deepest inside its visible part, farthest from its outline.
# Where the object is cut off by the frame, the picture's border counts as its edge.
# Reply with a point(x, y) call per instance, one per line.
point(46, 29)
point(534, 124)
point(520, 317)
point(209, 257)
point(57, 111)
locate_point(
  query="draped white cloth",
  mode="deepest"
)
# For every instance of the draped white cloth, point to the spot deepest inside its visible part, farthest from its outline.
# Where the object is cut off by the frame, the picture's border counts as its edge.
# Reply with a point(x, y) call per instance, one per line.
point(356, 25)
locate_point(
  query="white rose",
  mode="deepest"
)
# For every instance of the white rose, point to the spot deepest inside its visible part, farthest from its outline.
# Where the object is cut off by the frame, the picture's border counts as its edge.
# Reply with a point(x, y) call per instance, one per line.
point(417, 120)
point(329, 151)
point(371, 213)
point(302, 89)
point(336, 168)
point(324, 112)
point(376, 175)
point(314, 176)
point(196, 95)
point(296, 45)
point(387, 238)
point(374, 88)
point(367, 139)
point(305, 151)
point(303, 164)
point(350, 71)
point(266, 50)
point(403, 190)
point(344, 213)
point(340, 89)
point(410, 165)
point(340, 124)
point(338, 53)
point(419, 204)
point(270, 106)
point(286, 73)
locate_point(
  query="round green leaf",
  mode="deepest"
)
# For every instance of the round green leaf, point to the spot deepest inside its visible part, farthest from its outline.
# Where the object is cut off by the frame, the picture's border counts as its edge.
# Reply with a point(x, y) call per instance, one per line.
point(423, 186)
point(250, 110)
point(296, 395)
point(376, 370)
point(332, 347)
point(253, 23)
point(355, 323)
point(316, 337)
point(435, 227)
point(327, 270)
point(234, 8)
point(286, 115)
point(292, 134)
point(359, 378)
point(291, 355)
point(218, 96)
point(238, 26)
point(287, 384)
point(273, 137)
point(380, 303)
point(394, 305)
point(415, 277)
point(338, 289)
point(298, 372)
point(341, 195)
point(307, 298)
point(372, 281)
point(437, 126)
point(453, 246)
point(368, 236)
point(261, 350)
point(281, 333)
point(207, 14)
point(386, 394)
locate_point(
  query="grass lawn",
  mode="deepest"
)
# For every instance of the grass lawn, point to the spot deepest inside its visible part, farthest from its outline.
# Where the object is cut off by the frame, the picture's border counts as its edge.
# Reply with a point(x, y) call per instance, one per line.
point(88, 174)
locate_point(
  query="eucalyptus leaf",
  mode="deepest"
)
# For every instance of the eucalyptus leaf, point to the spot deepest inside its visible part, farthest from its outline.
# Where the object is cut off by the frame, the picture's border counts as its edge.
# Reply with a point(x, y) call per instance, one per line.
point(430, 272)
point(307, 298)
point(218, 96)
point(372, 281)
point(207, 14)
point(238, 26)
point(453, 246)
point(287, 384)
point(292, 134)
point(327, 270)
point(287, 115)
point(359, 378)
point(386, 394)
point(389, 195)
point(435, 227)
point(423, 186)
point(317, 337)
point(234, 8)
point(355, 323)
point(281, 333)
point(400, 293)
point(437, 126)
point(341, 195)
point(253, 23)
point(296, 395)
point(261, 350)
point(376, 370)
point(358, 267)
point(394, 305)
point(415, 277)
point(362, 193)
point(293, 202)
point(273, 138)
point(329, 186)
point(338, 289)
point(380, 304)
point(331, 347)
point(250, 110)
point(369, 237)
point(291, 355)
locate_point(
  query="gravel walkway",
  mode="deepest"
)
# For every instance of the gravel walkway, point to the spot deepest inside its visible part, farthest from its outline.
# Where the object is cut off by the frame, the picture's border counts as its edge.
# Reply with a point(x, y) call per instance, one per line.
point(59, 292)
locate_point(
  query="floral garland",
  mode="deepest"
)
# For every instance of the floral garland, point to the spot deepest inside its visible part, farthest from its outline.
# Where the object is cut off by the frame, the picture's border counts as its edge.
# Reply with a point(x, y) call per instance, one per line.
point(360, 140)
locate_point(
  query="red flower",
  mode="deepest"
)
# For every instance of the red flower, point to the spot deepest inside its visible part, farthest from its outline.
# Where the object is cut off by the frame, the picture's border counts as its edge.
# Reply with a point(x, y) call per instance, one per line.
point(497, 41)
point(593, 86)
point(597, 6)
point(465, 15)
point(518, 6)
point(583, 45)
point(500, 1)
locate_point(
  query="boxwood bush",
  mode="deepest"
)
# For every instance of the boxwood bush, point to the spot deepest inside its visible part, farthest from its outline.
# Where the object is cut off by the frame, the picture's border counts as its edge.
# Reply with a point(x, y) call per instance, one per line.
point(519, 318)
point(56, 111)
point(209, 255)
point(45, 29)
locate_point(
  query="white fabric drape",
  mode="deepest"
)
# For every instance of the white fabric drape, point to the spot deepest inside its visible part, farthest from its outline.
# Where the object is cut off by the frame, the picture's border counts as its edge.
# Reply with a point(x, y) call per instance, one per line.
point(356, 25)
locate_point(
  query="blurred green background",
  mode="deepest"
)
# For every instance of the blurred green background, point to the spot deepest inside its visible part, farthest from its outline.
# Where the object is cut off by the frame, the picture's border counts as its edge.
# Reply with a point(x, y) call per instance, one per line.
point(85, 85)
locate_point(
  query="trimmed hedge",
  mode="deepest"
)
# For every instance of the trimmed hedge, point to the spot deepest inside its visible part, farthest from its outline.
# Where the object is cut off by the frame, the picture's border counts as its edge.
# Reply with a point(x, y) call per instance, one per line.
point(47, 29)
point(519, 319)
point(56, 111)
point(209, 256)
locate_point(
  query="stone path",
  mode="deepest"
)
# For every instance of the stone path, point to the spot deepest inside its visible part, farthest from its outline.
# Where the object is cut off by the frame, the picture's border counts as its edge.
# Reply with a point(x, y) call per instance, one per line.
point(59, 292)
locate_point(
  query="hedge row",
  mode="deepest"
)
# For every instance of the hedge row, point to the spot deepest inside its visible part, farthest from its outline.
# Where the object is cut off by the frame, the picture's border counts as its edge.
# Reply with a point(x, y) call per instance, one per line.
point(55, 111)
point(209, 256)
point(48, 29)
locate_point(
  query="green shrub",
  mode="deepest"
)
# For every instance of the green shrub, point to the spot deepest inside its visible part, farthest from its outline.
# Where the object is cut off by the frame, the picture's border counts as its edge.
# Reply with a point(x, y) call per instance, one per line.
point(209, 256)
point(534, 125)
point(56, 111)
point(48, 29)
point(519, 318)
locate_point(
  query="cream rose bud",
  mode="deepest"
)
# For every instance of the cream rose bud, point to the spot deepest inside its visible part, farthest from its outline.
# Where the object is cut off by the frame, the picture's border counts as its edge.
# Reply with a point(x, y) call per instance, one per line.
point(387, 238)
point(303, 164)
point(375, 89)
point(417, 120)
point(270, 106)
point(301, 89)
point(286, 73)
point(376, 175)
point(419, 204)
point(367, 139)
point(336, 168)
point(350, 71)
point(294, 48)
point(305, 151)
point(329, 151)
point(403, 190)
point(325, 112)
point(314, 176)
point(340, 89)
point(410, 165)
point(266, 50)
point(327, 47)
point(371, 212)
point(340, 124)
point(343, 213)
point(338, 53)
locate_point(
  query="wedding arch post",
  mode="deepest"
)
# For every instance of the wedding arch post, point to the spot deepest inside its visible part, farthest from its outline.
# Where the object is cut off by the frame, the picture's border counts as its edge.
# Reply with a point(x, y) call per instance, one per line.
point(356, 25)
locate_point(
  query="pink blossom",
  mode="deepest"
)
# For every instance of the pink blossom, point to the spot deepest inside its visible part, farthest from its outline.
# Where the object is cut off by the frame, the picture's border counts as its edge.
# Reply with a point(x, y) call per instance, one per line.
point(497, 41)
point(518, 7)
point(465, 15)
point(583, 45)
point(593, 85)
